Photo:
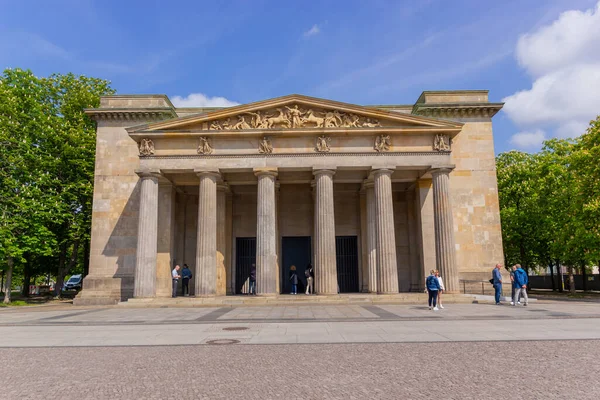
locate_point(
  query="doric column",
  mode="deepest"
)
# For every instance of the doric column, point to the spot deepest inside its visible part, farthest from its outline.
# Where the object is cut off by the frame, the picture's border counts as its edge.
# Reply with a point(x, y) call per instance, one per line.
point(266, 230)
point(387, 269)
point(325, 255)
point(222, 189)
point(445, 251)
point(369, 187)
point(206, 249)
point(145, 261)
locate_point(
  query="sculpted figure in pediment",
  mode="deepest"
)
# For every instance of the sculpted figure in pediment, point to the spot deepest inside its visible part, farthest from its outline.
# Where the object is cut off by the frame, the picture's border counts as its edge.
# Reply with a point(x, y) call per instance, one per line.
point(333, 119)
point(441, 143)
point(265, 146)
point(310, 117)
point(351, 121)
point(282, 118)
point(323, 144)
point(204, 147)
point(258, 122)
point(382, 143)
point(146, 147)
point(295, 115)
point(371, 123)
point(241, 124)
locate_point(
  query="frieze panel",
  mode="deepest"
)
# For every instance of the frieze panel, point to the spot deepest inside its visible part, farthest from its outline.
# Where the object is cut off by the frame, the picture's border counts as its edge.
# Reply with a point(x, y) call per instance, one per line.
point(291, 117)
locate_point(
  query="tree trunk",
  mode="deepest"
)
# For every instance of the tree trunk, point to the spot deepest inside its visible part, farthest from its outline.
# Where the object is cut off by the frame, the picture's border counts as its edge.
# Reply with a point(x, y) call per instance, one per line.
point(10, 263)
point(60, 278)
point(26, 277)
point(2, 284)
point(61, 266)
point(584, 276)
point(86, 258)
point(551, 266)
point(560, 276)
point(571, 280)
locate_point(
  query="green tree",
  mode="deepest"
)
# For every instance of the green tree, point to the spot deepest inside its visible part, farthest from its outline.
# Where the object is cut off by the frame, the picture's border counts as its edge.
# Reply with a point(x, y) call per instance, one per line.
point(47, 149)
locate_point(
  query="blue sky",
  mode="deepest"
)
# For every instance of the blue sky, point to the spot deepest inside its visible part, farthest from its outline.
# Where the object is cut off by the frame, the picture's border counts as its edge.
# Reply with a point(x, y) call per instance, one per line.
point(529, 53)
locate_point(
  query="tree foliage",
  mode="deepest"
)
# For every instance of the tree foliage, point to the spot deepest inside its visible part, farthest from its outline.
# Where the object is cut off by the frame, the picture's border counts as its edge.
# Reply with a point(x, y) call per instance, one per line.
point(47, 148)
point(550, 202)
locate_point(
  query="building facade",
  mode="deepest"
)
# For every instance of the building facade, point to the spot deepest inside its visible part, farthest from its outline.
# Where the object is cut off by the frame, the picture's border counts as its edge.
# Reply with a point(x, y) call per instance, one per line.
point(374, 197)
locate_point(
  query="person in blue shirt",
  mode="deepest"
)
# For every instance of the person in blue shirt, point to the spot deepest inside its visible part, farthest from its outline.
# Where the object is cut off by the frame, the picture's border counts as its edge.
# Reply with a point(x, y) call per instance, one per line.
point(497, 282)
point(186, 275)
point(520, 283)
point(433, 286)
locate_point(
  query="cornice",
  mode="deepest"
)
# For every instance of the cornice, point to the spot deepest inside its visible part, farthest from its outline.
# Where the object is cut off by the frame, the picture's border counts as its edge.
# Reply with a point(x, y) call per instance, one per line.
point(457, 110)
point(298, 155)
point(130, 114)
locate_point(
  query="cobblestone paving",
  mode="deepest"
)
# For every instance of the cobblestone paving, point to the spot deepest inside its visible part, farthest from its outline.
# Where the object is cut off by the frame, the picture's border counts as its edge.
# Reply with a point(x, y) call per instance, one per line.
point(483, 370)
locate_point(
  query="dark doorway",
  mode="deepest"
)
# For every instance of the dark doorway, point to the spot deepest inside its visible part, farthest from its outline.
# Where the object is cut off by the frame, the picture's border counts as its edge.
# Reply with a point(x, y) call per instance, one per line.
point(346, 251)
point(245, 256)
point(296, 251)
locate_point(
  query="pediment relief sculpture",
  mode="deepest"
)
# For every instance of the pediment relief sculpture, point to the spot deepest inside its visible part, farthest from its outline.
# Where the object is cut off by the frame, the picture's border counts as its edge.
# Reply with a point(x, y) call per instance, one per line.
point(265, 146)
point(146, 147)
point(292, 117)
point(204, 146)
point(441, 143)
point(382, 143)
point(322, 145)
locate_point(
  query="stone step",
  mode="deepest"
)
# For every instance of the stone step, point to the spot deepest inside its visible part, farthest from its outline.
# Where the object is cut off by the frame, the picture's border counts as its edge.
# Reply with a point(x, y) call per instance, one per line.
point(289, 300)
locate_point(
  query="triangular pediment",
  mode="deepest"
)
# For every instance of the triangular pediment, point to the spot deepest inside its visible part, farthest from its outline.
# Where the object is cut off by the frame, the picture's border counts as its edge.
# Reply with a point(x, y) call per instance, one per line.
point(295, 112)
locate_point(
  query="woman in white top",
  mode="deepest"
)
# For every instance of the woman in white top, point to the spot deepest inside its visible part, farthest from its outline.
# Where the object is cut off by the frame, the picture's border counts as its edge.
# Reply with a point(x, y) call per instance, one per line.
point(442, 288)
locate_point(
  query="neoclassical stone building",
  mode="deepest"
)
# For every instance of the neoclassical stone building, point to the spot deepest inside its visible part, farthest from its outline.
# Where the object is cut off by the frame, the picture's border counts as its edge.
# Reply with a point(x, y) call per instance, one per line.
point(373, 196)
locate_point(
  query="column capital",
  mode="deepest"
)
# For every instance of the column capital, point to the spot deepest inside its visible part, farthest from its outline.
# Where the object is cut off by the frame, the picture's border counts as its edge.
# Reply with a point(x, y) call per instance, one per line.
point(441, 169)
point(207, 172)
point(148, 173)
point(320, 171)
point(265, 171)
point(223, 187)
point(382, 171)
point(367, 184)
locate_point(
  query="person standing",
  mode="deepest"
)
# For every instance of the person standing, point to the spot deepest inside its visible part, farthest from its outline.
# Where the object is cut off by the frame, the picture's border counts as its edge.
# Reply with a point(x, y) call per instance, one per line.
point(294, 280)
point(186, 275)
point(433, 288)
point(521, 281)
point(308, 272)
point(497, 282)
point(252, 288)
point(442, 288)
point(175, 275)
point(512, 285)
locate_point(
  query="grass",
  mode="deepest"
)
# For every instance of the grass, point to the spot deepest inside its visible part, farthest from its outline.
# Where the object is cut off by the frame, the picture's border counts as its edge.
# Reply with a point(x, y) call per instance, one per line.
point(18, 300)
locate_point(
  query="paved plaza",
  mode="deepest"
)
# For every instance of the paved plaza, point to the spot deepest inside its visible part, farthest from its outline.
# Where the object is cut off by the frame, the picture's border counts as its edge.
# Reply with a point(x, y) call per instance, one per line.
point(467, 351)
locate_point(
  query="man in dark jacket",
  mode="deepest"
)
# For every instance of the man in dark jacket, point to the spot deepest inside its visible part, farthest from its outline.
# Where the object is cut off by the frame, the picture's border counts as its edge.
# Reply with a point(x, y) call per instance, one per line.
point(520, 283)
point(433, 288)
point(186, 275)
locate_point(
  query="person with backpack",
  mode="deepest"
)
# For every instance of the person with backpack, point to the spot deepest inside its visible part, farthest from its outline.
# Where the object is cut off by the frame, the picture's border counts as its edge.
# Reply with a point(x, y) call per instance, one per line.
point(294, 280)
point(520, 283)
point(308, 273)
point(433, 287)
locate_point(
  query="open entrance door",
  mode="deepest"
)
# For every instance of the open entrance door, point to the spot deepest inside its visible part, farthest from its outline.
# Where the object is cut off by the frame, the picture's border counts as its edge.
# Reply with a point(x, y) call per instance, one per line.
point(346, 251)
point(245, 256)
point(296, 251)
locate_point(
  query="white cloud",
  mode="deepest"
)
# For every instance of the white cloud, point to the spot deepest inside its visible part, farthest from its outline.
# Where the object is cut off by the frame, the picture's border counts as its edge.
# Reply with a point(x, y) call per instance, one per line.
point(526, 140)
point(201, 100)
point(315, 30)
point(564, 60)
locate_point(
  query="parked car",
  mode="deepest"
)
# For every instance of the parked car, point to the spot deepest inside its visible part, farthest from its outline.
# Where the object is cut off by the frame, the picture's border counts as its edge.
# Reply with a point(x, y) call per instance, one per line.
point(73, 285)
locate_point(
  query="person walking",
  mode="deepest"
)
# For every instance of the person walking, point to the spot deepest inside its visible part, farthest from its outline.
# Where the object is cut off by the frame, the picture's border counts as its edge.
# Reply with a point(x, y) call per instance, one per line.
point(433, 288)
point(294, 280)
point(442, 288)
point(497, 282)
point(521, 281)
point(252, 278)
point(308, 272)
point(512, 286)
point(175, 275)
point(186, 275)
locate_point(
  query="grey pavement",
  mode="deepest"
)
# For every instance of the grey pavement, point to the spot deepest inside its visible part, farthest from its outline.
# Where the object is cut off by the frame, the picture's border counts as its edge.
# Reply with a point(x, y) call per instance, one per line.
point(114, 326)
